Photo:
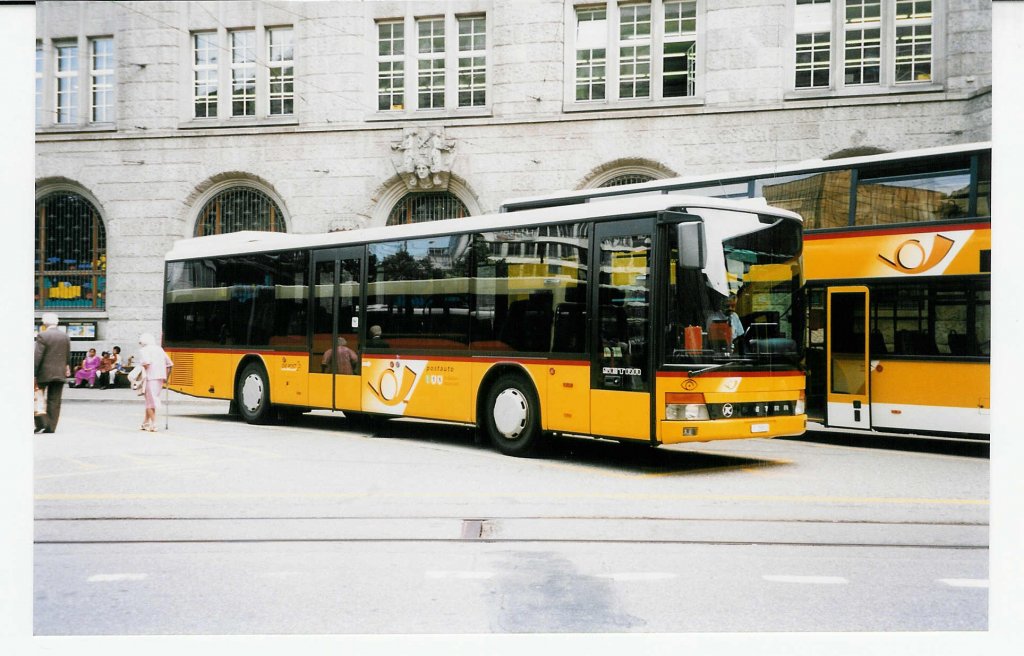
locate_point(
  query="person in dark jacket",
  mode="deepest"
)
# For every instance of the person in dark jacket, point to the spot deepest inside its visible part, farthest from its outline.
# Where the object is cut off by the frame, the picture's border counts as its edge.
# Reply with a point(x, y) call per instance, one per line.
point(53, 348)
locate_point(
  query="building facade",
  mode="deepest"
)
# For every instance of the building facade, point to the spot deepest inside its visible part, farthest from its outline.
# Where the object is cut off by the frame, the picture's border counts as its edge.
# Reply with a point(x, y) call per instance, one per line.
point(160, 121)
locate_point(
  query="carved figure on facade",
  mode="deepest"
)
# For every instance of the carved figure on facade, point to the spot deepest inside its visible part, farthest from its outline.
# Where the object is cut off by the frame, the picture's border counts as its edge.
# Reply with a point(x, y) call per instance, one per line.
point(423, 157)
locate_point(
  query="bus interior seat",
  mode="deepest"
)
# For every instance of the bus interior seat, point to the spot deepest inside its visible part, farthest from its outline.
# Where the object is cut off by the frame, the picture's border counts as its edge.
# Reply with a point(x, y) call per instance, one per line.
point(528, 325)
point(959, 344)
point(877, 345)
point(915, 342)
point(570, 328)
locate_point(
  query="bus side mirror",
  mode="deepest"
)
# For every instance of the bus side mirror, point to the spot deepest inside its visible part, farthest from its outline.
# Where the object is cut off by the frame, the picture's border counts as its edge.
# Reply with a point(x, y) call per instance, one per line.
point(691, 245)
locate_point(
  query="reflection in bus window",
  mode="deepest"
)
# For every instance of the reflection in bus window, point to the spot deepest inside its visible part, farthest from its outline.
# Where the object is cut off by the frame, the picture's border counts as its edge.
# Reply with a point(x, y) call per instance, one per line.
point(912, 198)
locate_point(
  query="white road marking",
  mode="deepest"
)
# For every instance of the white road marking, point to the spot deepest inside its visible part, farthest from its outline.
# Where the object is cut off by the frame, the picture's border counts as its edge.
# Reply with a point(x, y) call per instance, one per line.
point(813, 580)
point(638, 576)
point(106, 578)
point(440, 574)
point(965, 583)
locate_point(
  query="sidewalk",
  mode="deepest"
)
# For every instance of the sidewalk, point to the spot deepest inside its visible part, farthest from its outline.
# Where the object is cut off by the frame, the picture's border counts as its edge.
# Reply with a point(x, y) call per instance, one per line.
point(126, 395)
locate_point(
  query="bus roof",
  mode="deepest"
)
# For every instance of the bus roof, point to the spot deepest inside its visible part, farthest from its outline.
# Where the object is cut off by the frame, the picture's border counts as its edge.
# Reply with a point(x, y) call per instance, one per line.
point(255, 242)
point(660, 186)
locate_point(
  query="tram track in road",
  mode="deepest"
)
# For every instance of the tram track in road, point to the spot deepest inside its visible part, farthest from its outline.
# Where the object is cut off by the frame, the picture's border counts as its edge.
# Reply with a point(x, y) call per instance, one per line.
point(512, 530)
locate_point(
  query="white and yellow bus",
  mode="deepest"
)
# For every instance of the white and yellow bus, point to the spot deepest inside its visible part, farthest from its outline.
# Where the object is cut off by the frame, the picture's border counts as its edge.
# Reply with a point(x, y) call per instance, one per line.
point(897, 258)
point(601, 320)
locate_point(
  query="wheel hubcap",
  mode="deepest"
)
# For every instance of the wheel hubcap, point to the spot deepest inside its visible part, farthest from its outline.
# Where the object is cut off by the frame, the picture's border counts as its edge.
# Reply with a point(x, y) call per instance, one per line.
point(511, 413)
point(252, 393)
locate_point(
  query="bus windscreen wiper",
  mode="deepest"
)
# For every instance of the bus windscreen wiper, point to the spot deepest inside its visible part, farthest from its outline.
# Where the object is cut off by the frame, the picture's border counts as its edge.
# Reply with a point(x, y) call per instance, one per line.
point(712, 367)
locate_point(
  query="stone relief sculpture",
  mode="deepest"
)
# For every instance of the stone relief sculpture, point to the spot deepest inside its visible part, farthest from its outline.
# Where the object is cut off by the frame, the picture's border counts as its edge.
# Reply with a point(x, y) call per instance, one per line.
point(423, 157)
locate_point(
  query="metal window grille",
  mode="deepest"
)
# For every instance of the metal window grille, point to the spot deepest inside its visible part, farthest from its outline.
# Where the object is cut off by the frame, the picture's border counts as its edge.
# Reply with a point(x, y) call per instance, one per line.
point(239, 208)
point(71, 253)
point(628, 178)
point(420, 207)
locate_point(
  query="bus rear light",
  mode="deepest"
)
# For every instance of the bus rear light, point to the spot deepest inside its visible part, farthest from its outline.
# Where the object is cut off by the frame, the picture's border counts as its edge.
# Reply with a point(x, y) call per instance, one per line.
point(801, 403)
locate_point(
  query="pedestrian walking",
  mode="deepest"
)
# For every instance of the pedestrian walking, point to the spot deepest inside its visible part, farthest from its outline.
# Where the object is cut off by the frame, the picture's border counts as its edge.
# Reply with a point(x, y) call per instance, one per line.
point(157, 366)
point(53, 350)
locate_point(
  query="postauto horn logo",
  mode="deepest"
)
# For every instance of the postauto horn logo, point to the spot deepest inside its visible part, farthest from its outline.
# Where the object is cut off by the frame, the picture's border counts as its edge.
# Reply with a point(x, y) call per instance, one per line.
point(912, 257)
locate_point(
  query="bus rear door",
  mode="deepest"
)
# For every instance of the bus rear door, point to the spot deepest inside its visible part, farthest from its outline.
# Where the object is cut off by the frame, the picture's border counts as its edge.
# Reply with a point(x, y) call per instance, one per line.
point(620, 398)
point(847, 365)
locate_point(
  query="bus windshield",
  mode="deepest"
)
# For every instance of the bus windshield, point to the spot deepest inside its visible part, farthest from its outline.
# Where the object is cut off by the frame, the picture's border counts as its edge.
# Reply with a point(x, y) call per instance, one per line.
point(741, 309)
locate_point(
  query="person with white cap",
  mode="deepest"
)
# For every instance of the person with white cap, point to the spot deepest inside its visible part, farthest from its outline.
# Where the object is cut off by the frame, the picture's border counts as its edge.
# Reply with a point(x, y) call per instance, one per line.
point(53, 350)
point(157, 365)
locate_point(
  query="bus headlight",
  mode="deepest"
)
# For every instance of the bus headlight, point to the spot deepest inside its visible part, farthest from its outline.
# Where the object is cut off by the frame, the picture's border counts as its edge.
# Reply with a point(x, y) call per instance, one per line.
point(800, 406)
point(685, 407)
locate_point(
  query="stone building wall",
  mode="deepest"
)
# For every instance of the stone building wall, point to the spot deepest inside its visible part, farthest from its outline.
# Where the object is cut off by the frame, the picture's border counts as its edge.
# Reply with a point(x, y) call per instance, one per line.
point(331, 166)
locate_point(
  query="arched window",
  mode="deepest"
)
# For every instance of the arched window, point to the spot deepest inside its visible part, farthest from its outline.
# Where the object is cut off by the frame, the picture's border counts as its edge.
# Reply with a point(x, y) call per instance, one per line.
point(420, 207)
point(629, 178)
point(71, 253)
point(239, 208)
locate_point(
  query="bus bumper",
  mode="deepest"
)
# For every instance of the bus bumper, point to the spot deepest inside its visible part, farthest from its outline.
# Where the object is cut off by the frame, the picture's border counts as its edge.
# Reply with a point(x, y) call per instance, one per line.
point(675, 432)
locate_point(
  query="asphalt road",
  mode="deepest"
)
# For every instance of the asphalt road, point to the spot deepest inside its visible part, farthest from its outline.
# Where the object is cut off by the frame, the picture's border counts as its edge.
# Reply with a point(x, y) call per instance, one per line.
point(325, 527)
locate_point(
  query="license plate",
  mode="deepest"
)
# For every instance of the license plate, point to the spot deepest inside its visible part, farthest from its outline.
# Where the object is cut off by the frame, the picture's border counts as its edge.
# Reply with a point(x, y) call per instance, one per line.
point(759, 428)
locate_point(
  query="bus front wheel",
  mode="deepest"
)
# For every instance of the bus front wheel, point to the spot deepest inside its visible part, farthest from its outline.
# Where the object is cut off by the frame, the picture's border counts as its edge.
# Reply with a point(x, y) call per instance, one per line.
point(253, 395)
point(512, 416)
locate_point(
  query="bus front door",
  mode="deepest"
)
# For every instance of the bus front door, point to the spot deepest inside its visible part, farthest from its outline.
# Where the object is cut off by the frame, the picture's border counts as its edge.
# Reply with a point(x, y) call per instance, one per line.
point(620, 398)
point(334, 355)
point(847, 364)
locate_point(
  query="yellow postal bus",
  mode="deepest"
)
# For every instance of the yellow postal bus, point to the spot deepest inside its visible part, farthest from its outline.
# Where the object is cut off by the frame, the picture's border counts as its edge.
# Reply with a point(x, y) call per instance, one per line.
point(607, 320)
point(897, 258)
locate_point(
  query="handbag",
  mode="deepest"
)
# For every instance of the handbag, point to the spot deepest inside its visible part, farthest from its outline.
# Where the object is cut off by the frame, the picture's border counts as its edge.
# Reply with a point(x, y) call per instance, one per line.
point(39, 408)
point(137, 378)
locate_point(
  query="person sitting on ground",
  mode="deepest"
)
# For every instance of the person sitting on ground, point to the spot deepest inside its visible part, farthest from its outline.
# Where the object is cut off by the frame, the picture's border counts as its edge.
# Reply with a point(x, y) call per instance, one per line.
point(86, 371)
point(346, 358)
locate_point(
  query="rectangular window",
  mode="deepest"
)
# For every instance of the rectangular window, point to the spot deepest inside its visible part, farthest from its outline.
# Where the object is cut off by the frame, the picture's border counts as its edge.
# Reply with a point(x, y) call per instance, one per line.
point(39, 85)
point(635, 51)
point(243, 300)
point(390, 66)
point(281, 78)
point(418, 293)
point(530, 290)
point(431, 69)
point(591, 48)
point(813, 60)
point(863, 48)
point(913, 197)
point(680, 49)
point(936, 319)
point(243, 73)
point(913, 48)
point(101, 76)
point(472, 61)
point(204, 74)
point(67, 83)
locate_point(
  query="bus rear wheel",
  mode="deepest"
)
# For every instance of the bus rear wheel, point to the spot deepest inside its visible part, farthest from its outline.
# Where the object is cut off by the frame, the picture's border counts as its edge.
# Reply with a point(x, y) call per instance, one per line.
point(511, 416)
point(252, 395)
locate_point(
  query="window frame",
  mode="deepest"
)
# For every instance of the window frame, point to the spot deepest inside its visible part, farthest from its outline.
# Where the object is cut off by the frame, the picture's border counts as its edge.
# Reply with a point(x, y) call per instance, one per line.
point(258, 77)
point(656, 42)
point(81, 75)
point(445, 66)
point(888, 25)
